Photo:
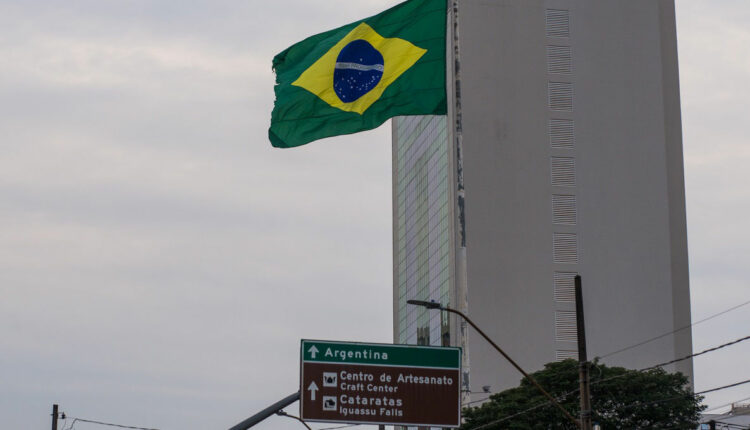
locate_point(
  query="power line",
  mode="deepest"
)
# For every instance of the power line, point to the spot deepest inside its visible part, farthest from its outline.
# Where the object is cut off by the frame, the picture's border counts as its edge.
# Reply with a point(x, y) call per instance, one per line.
point(72, 424)
point(645, 369)
point(669, 399)
point(339, 427)
point(107, 424)
point(725, 426)
point(475, 401)
point(705, 351)
point(724, 387)
point(674, 331)
point(672, 361)
point(726, 404)
point(731, 425)
point(560, 398)
point(509, 417)
point(563, 396)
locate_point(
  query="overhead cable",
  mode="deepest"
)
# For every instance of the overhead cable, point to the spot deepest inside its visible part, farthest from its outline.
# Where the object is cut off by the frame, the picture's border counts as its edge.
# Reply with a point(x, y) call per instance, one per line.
point(726, 404)
point(669, 399)
point(563, 396)
point(674, 331)
point(645, 369)
point(108, 424)
point(724, 387)
point(339, 427)
point(705, 351)
point(475, 401)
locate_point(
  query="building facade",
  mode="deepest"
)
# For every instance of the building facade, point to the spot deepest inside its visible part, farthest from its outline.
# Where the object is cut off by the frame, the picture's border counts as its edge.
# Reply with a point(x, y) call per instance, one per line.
point(572, 164)
point(737, 417)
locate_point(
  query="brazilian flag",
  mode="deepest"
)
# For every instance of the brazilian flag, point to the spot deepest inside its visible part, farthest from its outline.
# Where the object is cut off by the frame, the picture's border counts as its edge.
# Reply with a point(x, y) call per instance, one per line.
point(356, 77)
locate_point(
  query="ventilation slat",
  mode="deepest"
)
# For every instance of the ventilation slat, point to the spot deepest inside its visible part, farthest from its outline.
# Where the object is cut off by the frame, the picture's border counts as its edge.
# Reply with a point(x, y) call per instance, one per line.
point(559, 59)
point(561, 96)
point(565, 291)
point(565, 248)
point(563, 171)
point(558, 23)
point(561, 134)
point(565, 326)
point(564, 209)
point(565, 354)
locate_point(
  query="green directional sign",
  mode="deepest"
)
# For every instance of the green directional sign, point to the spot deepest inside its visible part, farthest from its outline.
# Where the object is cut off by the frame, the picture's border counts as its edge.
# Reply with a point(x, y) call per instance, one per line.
point(373, 383)
point(380, 354)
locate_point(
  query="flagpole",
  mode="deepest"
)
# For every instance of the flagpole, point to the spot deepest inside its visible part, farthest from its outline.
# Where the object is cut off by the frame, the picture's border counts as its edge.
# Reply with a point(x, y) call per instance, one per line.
point(462, 293)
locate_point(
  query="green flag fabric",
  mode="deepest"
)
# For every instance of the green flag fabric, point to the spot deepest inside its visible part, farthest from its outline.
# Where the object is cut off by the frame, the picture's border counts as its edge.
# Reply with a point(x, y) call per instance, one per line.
point(356, 77)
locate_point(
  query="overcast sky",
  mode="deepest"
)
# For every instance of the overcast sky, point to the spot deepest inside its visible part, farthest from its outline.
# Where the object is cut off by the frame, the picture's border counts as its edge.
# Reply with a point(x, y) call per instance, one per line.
point(159, 261)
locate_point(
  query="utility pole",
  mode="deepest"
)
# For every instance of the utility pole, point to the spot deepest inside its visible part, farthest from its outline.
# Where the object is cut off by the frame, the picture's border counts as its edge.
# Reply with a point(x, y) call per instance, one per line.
point(54, 417)
point(583, 364)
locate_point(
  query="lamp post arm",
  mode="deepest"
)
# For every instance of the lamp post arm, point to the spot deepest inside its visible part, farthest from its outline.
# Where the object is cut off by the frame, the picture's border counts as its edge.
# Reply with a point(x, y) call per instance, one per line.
point(284, 414)
point(510, 360)
point(267, 412)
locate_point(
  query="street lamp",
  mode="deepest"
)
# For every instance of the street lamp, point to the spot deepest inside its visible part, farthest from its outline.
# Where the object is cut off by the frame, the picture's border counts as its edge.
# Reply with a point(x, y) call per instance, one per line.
point(437, 305)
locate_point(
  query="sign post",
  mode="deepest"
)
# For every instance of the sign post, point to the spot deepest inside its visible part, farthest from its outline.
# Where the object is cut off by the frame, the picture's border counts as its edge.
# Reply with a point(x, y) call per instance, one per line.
point(365, 383)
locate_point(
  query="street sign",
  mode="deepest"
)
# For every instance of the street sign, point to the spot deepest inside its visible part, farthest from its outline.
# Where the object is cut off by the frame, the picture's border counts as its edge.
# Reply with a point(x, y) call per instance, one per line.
point(374, 383)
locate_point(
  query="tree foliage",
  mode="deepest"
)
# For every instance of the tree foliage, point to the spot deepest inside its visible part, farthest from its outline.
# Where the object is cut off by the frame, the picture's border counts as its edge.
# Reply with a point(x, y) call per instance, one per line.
point(621, 399)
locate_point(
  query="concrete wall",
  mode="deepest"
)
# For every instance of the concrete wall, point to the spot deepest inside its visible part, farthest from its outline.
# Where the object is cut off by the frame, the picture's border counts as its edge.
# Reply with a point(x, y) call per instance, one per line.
point(629, 190)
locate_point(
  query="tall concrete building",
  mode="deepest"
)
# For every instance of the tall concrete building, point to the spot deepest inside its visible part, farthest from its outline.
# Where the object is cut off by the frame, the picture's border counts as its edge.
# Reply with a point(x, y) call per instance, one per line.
point(572, 164)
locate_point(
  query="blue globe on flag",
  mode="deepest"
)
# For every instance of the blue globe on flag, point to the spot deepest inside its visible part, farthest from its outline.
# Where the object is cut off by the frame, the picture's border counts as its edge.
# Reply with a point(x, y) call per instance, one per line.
point(359, 68)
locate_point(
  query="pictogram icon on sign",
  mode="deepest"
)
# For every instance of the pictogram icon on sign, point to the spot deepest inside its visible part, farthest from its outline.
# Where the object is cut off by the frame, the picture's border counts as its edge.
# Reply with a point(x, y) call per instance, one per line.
point(329, 403)
point(330, 379)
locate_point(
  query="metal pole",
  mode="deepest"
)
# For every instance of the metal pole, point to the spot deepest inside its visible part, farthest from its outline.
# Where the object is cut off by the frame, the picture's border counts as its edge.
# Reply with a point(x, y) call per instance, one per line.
point(462, 290)
point(265, 413)
point(54, 417)
point(510, 360)
point(583, 364)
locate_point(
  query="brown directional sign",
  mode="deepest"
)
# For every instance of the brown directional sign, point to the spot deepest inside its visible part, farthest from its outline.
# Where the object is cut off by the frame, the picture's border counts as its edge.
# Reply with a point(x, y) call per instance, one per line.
point(380, 384)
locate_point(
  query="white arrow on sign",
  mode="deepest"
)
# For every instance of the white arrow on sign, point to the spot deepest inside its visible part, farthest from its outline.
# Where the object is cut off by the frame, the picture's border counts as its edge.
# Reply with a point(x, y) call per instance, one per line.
point(313, 351)
point(312, 389)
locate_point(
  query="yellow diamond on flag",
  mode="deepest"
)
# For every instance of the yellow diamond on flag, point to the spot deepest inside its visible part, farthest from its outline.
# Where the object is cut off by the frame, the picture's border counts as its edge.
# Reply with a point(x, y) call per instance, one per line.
point(355, 72)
